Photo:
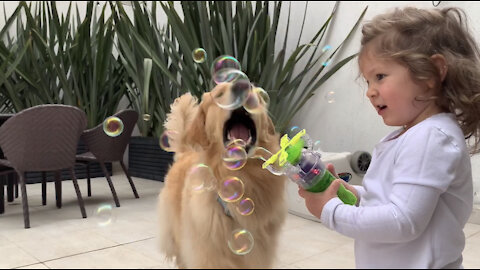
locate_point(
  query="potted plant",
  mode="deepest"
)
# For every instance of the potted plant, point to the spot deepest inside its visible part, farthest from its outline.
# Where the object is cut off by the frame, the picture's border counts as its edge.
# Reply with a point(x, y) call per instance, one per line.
point(153, 87)
point(250, 36)
point(68, 60)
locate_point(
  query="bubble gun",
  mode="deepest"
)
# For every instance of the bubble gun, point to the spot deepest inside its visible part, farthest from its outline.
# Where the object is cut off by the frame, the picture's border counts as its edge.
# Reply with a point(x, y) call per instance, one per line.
point(304, 166)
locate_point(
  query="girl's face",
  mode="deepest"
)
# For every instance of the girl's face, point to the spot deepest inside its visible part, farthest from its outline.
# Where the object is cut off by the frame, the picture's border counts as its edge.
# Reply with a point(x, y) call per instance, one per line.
point(393, 92)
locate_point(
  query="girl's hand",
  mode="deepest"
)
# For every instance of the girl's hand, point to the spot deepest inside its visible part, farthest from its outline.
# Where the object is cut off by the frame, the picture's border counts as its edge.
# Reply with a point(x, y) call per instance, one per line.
point(347, 186)
point(316, 201)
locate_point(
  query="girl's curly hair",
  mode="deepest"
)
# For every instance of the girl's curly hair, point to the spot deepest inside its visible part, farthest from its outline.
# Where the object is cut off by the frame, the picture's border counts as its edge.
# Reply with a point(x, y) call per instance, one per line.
point(411, 36)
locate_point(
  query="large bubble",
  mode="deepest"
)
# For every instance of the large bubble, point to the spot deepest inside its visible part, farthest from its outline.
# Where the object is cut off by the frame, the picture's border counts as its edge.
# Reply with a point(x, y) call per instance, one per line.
point(236, 94)
point(222, 68)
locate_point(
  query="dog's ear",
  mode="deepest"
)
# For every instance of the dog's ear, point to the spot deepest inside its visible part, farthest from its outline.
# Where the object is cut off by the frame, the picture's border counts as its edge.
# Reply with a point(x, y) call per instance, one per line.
point(196, 133)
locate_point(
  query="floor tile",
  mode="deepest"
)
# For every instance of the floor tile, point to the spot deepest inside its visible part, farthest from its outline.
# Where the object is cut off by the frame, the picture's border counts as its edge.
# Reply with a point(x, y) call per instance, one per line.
point(60, 238)
point(34, 266)
point(13, 256)
point(110, 258)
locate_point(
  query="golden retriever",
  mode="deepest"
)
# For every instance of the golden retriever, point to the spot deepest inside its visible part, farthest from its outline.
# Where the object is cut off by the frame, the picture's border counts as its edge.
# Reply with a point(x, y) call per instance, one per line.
point(194, 228)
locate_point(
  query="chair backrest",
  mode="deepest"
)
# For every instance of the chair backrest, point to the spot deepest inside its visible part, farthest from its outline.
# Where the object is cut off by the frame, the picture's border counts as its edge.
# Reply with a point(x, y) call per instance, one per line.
point(107, 148)
point(43, 137)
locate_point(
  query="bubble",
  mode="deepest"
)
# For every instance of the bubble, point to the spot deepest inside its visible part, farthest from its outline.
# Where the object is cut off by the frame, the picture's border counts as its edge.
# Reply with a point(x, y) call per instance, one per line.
point(232, 189)
point(316, 146)
point(245, 207)
point(222, 65)
point(236, 142)
point(256, 101)
point(166, 140)
point(276, 169)
point(234, 158)
point(104, 215)
point(199, 55)
point(113, 126)
point(235, 96)
point(263, 94)
point(202, 178)
point(147, 117)
point(326, 48)
point(241, 242)
point(326, 63)
point(293, 131)
point(259, 153)
point(330, 97)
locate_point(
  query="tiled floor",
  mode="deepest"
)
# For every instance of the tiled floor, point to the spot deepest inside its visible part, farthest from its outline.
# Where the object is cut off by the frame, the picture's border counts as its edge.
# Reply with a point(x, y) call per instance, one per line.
point(60, 238)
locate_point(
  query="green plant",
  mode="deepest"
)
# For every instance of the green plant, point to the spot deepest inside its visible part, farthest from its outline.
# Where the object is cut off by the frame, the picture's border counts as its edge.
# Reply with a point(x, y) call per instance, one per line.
point(250, 36)
point(140, 44)
point(68, 60)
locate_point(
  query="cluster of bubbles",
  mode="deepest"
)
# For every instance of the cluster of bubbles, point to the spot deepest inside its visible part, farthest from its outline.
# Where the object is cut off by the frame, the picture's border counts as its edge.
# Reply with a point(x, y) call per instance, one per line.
point(231, 189)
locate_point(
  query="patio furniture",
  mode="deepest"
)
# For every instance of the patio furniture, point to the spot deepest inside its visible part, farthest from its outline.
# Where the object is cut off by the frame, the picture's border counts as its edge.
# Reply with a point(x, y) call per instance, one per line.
point(7, 179)
point(43, 138)
point(104, 148)
point(4, 172)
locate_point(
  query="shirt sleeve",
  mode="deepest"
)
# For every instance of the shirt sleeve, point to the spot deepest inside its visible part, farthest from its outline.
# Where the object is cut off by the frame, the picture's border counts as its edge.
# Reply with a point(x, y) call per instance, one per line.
point(425, 165)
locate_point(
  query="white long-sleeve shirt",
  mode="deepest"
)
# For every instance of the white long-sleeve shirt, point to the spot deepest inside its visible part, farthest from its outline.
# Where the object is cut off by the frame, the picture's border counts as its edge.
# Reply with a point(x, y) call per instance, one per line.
point(416, 198)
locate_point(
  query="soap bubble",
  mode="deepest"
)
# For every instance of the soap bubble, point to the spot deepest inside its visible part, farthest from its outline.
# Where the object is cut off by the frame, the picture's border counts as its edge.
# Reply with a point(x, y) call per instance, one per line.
point(166, 140)
point(199, 55)
point(326, 63)
point(104, 215)
point(326, 48)
point(330, 96)
point(234, 157)
point(235, 96)
point(256, 101)
point(147, 117)
point(222, 67)
point(259, 153)
point(316, 146)
point(245, 207)
point(236, 142)
point(232, 189)
point(293, 131)
point(113, 126)
point(202, 178)
point(241, 242)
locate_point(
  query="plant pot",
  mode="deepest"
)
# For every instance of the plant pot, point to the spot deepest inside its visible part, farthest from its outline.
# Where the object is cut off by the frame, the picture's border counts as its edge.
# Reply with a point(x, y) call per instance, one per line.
point(147, 160)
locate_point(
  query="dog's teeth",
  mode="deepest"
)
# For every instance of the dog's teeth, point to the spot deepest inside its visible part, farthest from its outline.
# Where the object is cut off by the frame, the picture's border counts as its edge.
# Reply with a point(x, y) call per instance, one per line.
point(229, 137)
point(249, 140)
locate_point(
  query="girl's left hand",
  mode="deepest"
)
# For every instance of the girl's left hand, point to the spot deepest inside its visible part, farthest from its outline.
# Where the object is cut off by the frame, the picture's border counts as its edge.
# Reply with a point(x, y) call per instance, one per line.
point(316, 201)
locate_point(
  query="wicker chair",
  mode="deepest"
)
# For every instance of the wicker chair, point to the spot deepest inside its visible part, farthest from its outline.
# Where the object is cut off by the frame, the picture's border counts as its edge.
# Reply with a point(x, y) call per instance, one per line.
point(103, 148)
point(5, 171)
point(43, 138)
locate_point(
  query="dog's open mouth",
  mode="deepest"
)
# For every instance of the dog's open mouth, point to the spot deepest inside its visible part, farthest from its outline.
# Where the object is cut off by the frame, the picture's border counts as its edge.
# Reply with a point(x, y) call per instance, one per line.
point(240, 126)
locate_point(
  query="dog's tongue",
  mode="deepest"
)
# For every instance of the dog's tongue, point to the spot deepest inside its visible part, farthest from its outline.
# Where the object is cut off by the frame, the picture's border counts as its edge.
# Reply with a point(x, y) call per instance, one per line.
point(239, 131)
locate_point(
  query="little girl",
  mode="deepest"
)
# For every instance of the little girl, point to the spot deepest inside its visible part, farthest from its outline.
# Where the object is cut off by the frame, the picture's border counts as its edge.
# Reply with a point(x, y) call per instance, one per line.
point(423, 75)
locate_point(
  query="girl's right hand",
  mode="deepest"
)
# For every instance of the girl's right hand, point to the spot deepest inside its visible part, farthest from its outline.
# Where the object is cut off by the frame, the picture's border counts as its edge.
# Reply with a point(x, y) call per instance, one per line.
point(347, 186)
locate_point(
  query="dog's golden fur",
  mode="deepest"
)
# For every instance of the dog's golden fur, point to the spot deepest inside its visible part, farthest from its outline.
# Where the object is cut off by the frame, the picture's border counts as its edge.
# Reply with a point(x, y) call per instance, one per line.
point(194, 229)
